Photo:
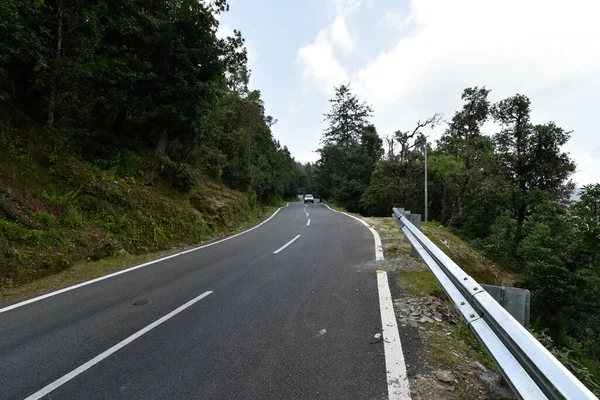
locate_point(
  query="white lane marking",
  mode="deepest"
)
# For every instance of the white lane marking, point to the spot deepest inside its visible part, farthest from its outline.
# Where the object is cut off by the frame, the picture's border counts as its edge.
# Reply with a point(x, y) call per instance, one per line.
point(45, 296)
point(398, 388)
point(378, 248)
point(57, 383)
point(286, 245)
point(307, 214)
point(308, 223)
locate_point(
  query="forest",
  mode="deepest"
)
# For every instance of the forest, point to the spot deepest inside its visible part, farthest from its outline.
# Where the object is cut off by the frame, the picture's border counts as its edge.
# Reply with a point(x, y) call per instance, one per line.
point(126, 128)
point(507, 193)
point(144, 87)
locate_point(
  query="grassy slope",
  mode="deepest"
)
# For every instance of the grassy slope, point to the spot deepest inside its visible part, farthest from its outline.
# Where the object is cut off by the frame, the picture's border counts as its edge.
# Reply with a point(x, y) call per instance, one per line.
point(82, 222)
point(445, 345)
point(473, 262)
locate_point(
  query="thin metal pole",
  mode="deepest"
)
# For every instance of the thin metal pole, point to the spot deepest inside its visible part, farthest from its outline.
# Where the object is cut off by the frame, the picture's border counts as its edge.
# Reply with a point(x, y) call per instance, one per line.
point(425, 180)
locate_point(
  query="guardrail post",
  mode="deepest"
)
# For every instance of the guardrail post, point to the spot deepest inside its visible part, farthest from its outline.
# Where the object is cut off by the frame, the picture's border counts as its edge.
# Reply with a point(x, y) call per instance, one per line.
point(407, 215)
point(415, 219)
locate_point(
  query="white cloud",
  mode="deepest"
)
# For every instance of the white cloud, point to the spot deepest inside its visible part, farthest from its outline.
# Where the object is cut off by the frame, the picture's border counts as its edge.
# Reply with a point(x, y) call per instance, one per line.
point(320, 65)
point(347, 6)
point(545, 49)
point(338, 32)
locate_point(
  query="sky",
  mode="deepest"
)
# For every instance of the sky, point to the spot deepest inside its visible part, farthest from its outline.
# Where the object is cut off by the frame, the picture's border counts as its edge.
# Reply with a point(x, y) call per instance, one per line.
point(409, 59)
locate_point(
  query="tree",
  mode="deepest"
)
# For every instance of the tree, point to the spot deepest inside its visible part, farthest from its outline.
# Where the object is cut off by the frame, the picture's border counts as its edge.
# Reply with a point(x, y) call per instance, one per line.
point(586, 218)
point(530, 158)
point(463, 139)
point(347, 118)
point(408, 140)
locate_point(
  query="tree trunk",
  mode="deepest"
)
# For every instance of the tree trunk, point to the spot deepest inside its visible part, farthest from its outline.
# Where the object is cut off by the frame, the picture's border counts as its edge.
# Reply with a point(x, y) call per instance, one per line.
point(444, 199)
point(59, 35)
point(160, 152)
point(115, 129)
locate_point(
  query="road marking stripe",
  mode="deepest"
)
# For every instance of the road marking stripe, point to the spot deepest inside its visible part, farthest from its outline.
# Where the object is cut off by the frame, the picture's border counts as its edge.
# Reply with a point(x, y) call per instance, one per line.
point(45, 296)
point(286, 245)
point(378, 248)
point(59, 382)
point(308, 223)
point(398, 388)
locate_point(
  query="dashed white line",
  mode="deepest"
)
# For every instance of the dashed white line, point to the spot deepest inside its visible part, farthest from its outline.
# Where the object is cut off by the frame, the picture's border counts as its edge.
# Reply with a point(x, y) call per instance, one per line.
point(286, 245)
point(308, 223)
point(59, 382)
point(397, 380)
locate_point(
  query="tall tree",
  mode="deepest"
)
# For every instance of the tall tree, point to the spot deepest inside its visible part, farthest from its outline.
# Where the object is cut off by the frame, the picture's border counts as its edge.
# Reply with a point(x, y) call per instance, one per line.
point(530, 158)
point(347, 118)
point(463, 139)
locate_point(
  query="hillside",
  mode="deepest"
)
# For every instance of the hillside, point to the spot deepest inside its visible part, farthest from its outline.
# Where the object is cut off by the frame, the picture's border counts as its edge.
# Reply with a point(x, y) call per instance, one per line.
point(57, 216)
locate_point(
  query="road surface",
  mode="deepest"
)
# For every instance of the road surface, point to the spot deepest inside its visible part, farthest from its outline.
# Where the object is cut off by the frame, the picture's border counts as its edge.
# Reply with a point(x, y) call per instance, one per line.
point(285, 311)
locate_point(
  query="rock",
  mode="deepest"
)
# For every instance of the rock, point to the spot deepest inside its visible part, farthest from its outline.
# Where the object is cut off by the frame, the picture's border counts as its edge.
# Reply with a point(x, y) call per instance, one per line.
point(426, 319)
point(438, 317)
point(444, 376)
point(322, 332)
point(479, 366)
point(451, 388)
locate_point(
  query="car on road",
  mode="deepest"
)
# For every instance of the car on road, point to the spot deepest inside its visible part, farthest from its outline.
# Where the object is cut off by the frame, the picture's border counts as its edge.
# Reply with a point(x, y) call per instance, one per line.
point(308, 198)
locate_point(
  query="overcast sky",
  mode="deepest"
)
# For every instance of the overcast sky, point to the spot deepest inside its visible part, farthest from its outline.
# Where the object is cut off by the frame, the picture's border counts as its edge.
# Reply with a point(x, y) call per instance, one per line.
point(412, 58)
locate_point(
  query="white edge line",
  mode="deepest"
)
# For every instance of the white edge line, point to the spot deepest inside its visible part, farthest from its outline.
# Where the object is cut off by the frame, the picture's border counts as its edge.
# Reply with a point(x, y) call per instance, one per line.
point(376, 237)
point(308, 223)
point(397, 380)
point(60, 381)
point(286, 245)
point(124, 271)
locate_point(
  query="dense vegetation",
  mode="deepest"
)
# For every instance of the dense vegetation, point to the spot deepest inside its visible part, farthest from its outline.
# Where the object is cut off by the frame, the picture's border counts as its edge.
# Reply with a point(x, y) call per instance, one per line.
point(123, 125)
point(508, 194)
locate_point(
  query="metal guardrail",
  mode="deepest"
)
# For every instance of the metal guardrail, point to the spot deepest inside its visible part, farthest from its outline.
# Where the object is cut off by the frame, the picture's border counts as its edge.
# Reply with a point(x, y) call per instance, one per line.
point(529, 368)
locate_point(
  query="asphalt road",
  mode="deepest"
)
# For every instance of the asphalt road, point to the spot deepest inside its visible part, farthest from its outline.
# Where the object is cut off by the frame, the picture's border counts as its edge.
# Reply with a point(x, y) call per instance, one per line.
point(297, 324)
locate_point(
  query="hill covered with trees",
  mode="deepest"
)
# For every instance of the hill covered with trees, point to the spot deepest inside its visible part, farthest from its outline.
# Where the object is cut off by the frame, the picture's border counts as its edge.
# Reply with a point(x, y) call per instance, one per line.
point(126, 126)
point(506, 193)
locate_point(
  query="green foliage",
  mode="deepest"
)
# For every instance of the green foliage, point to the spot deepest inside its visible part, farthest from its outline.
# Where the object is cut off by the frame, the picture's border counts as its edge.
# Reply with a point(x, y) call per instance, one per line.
point(182, 177)
point(567, 357)
point(351, 151)
point(347, 118)
point(375, 199)
point(46, 218)
point(505, 194)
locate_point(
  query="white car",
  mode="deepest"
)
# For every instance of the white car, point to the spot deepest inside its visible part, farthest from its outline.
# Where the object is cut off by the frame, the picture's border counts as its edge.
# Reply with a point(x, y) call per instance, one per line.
point(309, 198)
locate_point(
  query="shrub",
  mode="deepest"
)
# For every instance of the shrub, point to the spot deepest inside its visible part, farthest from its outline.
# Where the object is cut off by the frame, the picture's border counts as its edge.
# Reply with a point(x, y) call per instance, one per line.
point(568, 359)
point(129, 164)
point(46, 218)
point(183, 177)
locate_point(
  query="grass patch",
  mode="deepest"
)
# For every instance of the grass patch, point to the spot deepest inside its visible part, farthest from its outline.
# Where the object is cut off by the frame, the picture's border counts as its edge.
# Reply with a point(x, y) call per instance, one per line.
point(472, 261)
point(419, 283)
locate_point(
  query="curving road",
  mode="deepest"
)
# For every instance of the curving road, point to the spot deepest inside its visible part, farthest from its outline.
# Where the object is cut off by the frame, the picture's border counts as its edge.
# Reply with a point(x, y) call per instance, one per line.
point(258, 316)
